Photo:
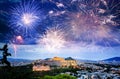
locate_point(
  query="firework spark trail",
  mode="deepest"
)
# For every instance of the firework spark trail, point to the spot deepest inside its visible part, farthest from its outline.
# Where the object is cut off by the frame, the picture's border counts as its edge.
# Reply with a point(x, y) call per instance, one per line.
point(18, 40)
point(91, 22)
point(53, 39)
point(26, 17)
point(15, 50)
point(89, 27)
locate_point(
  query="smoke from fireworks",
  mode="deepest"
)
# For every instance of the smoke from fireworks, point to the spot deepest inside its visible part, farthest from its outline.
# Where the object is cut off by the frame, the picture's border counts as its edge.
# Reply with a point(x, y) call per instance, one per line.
point(87, 21)
point(89, 28)
point(92, 21)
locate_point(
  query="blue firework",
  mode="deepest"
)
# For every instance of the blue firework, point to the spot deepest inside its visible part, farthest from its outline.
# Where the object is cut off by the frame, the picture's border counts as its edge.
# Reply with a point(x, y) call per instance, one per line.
point(26, 16)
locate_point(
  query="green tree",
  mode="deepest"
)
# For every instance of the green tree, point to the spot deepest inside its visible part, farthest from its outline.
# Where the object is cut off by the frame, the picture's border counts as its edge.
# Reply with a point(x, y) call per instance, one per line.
point(49, 77)
point(61, 76)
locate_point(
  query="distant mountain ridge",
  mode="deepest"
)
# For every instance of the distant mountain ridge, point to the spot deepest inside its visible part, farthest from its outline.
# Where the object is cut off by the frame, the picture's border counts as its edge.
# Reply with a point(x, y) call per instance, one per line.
point(117, 59)
point(113, 59)
point(18, 60)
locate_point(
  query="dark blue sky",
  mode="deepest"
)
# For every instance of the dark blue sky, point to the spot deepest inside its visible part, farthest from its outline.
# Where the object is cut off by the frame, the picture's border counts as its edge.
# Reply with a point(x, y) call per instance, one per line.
point(45, 28)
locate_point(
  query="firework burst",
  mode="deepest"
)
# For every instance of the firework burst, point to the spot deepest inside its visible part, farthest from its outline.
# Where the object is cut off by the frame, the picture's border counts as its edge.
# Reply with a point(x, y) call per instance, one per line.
point(92, 23)
point(89, 28)
point(26, 16)
point(53, 39)
point(86, 21)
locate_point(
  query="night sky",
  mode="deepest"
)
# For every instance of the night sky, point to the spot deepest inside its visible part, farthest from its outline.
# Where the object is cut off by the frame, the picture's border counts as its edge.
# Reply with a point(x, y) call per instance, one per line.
point(82, 29)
